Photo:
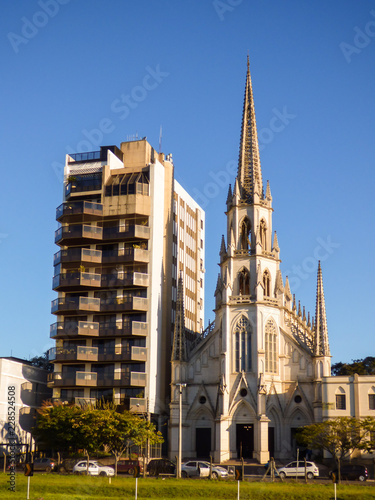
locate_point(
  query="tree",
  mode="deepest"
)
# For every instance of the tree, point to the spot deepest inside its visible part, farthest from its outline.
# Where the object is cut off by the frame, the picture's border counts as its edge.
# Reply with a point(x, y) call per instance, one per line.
point(364, 366)
point(71, 427)
point(57, 426)
point(42, 362)
point(122, 430)
point(339, 436)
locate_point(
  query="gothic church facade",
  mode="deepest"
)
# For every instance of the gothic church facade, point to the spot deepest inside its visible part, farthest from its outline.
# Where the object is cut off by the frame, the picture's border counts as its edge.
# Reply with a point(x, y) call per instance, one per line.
point(256, 374)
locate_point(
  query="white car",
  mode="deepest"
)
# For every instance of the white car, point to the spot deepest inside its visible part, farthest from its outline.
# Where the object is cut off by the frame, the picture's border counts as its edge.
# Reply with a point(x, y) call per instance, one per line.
point(95, 468)
point(294, 470)
point(202, 469)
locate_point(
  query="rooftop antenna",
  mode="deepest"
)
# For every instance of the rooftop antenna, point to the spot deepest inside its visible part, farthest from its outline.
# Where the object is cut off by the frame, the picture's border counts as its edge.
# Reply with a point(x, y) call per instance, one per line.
point(160, 137)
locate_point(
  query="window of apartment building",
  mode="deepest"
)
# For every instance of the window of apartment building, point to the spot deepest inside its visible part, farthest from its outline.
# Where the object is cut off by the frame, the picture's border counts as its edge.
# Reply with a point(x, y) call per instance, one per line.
point(340, 401)
point(371, 401)
point(201, 224)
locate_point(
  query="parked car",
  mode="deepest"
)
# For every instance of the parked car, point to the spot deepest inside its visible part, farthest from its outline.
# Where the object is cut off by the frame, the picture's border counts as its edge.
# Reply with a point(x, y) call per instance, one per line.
point(158, 466)
point(351, 472)
point(202, 469)
point(95, 468)
point(297, 470)
point(45, 464)
point(129, 466)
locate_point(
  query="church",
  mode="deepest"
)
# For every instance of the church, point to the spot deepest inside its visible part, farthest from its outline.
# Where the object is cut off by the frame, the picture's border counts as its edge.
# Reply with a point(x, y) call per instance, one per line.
point(263, 367)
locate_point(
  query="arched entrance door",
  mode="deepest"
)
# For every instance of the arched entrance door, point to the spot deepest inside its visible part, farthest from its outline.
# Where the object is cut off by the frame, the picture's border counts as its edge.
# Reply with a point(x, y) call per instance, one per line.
point(245, 440)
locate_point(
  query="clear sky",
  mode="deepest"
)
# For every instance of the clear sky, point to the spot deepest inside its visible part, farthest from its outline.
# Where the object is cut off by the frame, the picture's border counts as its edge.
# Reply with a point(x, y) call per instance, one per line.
point(68, 67)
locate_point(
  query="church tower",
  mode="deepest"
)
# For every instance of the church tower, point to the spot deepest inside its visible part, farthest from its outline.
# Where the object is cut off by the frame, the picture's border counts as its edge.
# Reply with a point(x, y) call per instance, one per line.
point(254, 376)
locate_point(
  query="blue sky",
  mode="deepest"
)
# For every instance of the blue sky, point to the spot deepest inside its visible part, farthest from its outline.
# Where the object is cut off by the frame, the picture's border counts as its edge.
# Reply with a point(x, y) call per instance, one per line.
point(68, 66)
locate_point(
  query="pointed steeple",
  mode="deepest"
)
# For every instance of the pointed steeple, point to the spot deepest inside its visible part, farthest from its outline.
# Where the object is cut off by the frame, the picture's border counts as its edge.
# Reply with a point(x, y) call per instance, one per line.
point(179, 352)
point(321, 331)
point(223, 249)
point(249, 170)
point(288, 293)
point(230, 195)
point(268, 192)
point(275, 245)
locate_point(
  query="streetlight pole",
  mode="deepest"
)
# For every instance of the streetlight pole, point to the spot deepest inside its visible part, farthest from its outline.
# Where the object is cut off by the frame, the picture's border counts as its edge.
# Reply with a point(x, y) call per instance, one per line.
point(180, 386)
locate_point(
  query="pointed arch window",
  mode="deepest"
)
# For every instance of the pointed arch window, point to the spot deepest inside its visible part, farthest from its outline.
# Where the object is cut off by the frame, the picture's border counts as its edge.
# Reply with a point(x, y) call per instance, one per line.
point(245, 241)
point(266, 283)
point(242, 339)
point(263, 234)
point(244, 282)
point(271, 347)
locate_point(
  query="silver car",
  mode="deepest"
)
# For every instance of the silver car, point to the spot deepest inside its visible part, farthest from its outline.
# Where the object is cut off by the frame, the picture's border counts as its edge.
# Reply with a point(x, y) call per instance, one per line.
point(95, 468)
point(298, 470)
point(202, 469)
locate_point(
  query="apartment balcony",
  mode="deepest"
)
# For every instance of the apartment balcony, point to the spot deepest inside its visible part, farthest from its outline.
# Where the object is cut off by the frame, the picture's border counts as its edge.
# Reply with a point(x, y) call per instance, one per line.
point(122, 353)
point(133, 231)
point(87, 186)
point(63, 305)
point(77, 353)
point(64, 329)
point(122, 379)
point(124, 280)
point(118, 329)
point(126, 255)
point(135, 405)
point(68, 281)
point(75, 234)
point(77, 255)
point(75, 210)
point(82, 379)
point(84, 401)
point(124, 304)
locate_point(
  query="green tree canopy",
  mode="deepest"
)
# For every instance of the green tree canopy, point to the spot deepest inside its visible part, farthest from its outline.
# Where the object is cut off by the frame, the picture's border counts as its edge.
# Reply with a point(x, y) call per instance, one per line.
point(70, 427)
point(364, 366)
point(339, 436)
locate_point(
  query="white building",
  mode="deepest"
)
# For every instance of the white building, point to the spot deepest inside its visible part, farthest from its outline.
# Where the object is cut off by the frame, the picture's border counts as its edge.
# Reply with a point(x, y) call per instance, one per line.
point(23, 388)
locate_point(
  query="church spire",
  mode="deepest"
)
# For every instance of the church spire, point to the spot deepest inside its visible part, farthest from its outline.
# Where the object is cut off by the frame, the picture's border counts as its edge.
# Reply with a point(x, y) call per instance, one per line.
point(321, 331)
point(249, 170)
point(179, 352)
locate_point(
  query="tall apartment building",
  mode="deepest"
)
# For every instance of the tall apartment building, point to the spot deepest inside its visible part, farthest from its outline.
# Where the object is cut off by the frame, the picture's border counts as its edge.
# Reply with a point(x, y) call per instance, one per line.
point(115, 275)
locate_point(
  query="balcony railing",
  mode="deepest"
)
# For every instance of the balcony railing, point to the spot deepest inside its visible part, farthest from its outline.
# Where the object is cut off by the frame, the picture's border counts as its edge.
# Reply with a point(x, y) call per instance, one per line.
point(126, 255)
point(74, 232)
point(76, 353)
point(67, 280)
point(58, 379)
point(124, 279)
point(123, 353)
point(117, 379)
point(114, 329)
point(122, 233)
point(79, 208)
point(124, 304)
point(74, 328)
point(69, 304)
point(77, 255)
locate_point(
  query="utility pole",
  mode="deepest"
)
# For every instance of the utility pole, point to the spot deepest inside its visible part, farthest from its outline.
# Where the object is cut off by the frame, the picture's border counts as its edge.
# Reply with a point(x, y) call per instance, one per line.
point(180, 386)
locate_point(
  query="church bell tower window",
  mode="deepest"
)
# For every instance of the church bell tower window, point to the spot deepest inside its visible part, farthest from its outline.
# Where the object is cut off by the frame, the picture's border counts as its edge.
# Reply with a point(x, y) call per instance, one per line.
point(242, 338)
point(271, 347)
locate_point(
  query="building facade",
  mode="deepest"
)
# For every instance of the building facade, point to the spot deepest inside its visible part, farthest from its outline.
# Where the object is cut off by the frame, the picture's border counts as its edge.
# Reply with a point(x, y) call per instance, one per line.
point(23, 388)
point(115, 275)
point(263, 368)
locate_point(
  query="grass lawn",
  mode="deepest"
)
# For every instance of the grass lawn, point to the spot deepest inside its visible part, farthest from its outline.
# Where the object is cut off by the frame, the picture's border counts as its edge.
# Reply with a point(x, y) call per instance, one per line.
point(56, 487)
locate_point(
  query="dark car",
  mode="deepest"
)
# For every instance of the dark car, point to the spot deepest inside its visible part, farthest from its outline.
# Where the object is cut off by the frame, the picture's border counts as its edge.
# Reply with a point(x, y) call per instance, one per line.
point(351, 472)
point(158, 466)
point(129, 467)
point(45, 464)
